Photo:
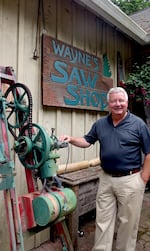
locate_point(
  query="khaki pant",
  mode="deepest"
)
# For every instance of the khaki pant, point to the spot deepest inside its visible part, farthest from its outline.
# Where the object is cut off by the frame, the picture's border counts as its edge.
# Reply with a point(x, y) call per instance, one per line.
point(118, 198)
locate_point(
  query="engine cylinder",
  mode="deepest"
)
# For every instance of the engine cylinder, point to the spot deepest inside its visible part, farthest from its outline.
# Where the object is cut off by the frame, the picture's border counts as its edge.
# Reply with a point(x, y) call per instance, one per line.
point(50, 206)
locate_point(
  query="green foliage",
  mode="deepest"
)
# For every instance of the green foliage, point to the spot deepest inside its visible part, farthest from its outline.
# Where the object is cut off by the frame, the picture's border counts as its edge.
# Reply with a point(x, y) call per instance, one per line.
point(131, 6)
point(138, 83)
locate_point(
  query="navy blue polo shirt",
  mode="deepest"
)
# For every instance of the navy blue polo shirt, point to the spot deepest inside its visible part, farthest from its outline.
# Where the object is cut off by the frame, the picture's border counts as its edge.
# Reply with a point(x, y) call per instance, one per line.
point(121, 145)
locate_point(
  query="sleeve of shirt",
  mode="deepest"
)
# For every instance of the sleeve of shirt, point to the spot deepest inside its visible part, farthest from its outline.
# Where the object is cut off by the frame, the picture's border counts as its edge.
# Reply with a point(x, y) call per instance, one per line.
point(91, 136)
point(145, 135)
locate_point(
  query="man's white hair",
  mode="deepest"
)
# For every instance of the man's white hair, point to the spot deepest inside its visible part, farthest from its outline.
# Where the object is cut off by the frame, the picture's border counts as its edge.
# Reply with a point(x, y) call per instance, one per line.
point(117, 90)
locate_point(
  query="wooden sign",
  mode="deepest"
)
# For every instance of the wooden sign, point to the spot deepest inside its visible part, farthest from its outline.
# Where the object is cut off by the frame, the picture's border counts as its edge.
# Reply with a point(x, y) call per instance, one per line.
point(71, 77)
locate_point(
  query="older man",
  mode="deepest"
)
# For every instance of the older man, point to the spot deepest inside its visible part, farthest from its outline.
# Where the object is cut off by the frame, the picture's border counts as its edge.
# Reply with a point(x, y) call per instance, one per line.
point(122, 137)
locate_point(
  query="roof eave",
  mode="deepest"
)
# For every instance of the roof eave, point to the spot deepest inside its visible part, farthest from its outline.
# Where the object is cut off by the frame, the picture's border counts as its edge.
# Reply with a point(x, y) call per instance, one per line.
point(116, 17)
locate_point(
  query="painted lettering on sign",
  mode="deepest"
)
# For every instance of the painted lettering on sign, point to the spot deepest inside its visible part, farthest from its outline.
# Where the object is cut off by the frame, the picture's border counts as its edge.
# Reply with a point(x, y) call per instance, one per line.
point(74, 55)
point(71, 77)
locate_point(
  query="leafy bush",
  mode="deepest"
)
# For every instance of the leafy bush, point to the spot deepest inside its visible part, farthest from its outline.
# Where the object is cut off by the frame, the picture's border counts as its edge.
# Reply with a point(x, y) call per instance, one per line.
point(138, 83)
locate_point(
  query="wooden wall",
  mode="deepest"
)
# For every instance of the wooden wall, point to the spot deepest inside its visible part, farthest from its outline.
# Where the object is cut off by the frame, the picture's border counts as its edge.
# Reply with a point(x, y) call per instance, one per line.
point(71, 23)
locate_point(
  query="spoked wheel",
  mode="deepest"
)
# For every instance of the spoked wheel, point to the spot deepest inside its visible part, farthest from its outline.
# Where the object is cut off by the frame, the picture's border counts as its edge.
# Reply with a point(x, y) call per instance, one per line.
point(33, 152)
point(19, 103)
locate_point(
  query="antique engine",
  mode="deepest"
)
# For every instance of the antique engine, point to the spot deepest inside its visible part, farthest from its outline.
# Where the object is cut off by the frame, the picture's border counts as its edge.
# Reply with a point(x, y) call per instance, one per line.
point(37, 151)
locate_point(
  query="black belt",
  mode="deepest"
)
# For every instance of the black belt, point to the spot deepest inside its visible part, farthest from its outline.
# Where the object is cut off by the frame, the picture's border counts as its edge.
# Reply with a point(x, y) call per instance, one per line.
point(125, 173)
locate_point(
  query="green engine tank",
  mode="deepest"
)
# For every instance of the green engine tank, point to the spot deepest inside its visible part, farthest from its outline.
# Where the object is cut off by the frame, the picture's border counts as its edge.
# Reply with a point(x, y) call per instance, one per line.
point(49, 206)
